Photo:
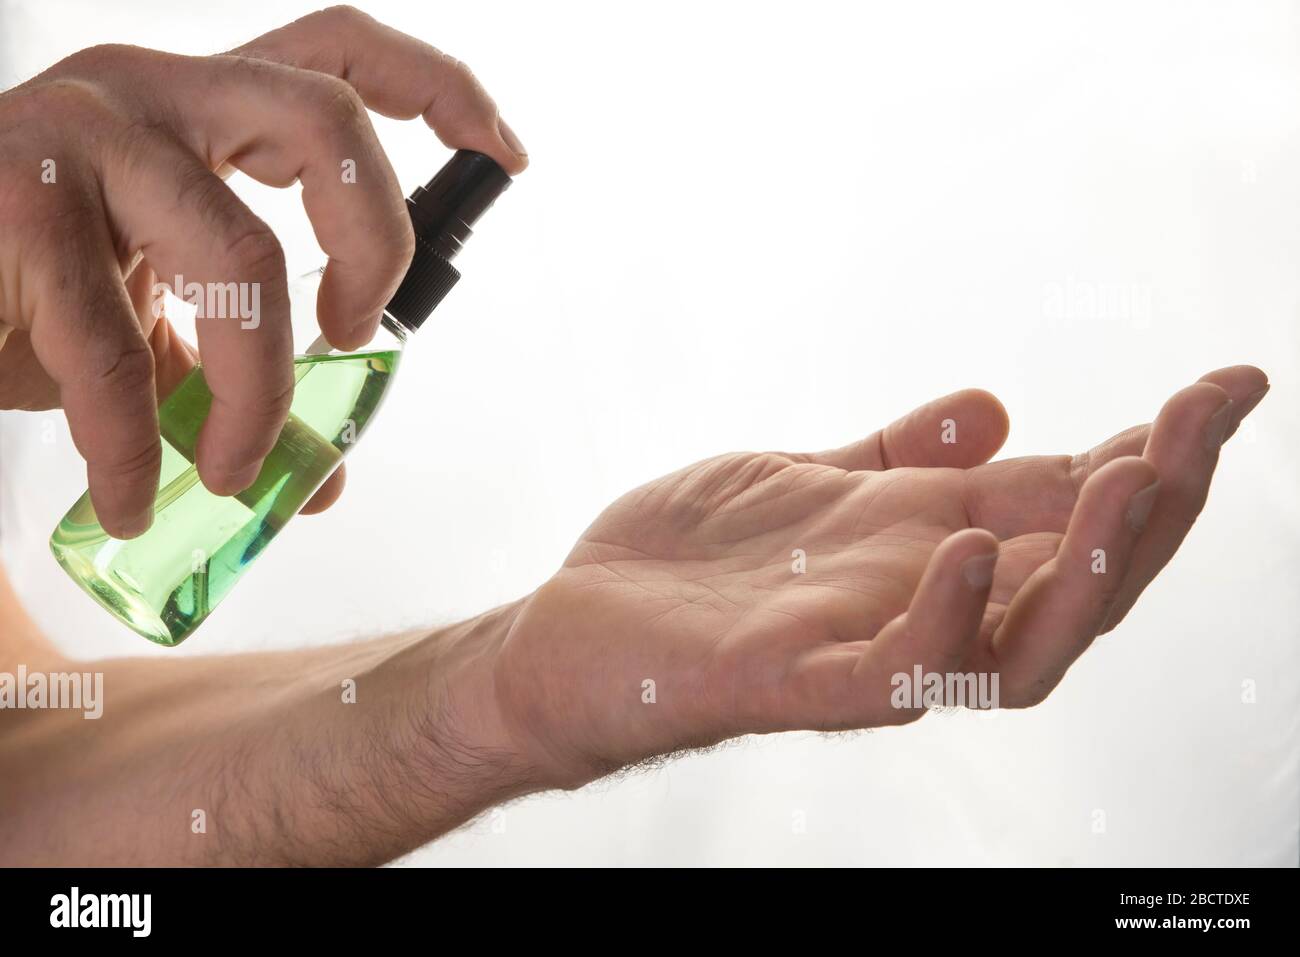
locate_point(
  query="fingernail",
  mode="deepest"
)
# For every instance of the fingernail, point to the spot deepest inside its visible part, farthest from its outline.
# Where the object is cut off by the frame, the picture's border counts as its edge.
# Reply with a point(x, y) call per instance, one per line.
point(978, 571)
point(1247, 406)
point(1216, 430)
point(137, 524)
point(510, 138)
point(1140, 505)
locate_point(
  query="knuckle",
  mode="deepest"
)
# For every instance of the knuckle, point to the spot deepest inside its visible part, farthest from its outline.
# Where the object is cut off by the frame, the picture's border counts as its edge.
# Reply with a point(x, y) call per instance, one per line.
point(403, 238)
point(235, 73)
point(342, 15)
point(459, 100)
point(137, 459)
point(254, 251)
point(269, 403)
point(461, 70)
point(245, 68)
point(341, 105)
point(215, 207)
point(128, 372)
point(276, 399)
point(259, 410)
point(457, 72)
point(71, 100)
point(97, 60)
point(472, 90)
point(1078, 467)
point(332, 111)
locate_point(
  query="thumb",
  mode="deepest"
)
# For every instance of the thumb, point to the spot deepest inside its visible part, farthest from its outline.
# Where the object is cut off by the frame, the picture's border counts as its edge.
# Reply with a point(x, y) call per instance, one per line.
point(960, 430)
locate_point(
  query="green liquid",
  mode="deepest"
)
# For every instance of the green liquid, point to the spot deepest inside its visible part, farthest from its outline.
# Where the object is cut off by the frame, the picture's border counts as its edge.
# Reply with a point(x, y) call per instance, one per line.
point(166, 582)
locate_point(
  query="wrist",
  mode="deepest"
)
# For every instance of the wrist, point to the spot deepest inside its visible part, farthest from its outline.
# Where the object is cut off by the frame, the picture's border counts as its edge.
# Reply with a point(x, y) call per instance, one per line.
point(486, 728)
point(501, 718)
point(463, 748)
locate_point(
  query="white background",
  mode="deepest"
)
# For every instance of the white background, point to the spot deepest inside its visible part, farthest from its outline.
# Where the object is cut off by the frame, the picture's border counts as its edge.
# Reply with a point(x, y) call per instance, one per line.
point(780, 226)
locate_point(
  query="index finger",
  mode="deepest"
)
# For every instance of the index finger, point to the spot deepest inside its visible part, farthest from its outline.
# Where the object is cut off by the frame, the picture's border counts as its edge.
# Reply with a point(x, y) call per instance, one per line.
point(396, 75)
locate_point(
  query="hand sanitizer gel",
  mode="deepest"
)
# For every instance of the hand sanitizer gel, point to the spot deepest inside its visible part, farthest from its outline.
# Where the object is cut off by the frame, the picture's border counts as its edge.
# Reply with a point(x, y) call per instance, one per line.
point(166, 582)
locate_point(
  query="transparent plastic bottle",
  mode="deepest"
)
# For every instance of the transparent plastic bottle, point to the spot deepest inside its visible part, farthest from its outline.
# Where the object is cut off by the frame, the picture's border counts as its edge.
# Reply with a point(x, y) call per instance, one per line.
point(164, 583)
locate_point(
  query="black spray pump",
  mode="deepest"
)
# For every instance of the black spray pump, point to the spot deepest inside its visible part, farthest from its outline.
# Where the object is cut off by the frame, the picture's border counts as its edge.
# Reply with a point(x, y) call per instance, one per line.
point(442, 212)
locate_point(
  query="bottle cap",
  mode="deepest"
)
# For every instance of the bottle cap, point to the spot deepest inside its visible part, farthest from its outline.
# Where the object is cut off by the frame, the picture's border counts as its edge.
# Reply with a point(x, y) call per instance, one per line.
point(442, 213)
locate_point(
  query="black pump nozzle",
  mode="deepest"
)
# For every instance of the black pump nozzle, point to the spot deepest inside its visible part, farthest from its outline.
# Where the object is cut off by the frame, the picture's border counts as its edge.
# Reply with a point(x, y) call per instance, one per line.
point(442, 212)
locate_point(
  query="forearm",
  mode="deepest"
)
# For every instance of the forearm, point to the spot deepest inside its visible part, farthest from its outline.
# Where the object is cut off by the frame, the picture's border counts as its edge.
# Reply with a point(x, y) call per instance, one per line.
point(265, 759)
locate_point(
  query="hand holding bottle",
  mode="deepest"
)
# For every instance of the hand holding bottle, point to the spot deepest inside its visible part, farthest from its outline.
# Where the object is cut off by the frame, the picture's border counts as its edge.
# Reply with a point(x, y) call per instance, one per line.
point(111, 168)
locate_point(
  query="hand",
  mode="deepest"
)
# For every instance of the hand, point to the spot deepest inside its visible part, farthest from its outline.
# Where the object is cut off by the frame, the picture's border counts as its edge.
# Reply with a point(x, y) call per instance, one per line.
point(917, 553)
point(109, 166)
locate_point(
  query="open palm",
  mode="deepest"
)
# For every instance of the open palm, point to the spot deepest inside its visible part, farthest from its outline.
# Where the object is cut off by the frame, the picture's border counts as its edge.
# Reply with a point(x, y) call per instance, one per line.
point(761, 592)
